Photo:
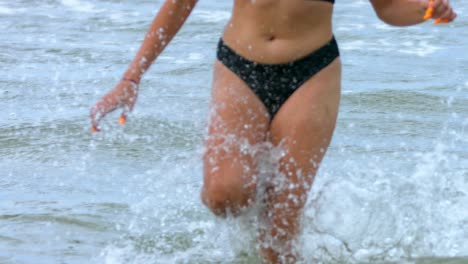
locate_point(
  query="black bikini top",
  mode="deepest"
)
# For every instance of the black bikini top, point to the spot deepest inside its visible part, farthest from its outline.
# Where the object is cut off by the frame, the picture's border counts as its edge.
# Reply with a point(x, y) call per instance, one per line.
point(331, 1)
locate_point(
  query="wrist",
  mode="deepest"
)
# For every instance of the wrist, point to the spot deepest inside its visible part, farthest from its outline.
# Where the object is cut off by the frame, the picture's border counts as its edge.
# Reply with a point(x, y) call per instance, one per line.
point(132, 74)
point(132, 80)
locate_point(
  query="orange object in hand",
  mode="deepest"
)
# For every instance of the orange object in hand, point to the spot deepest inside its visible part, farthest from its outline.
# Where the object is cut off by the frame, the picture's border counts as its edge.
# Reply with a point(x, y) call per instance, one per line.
point(122, 120)
point(441, 21)
point(430, 10)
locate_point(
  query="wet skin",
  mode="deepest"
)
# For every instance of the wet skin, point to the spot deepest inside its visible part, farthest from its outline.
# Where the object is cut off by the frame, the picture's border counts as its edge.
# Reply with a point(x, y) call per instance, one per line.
point(265, 31)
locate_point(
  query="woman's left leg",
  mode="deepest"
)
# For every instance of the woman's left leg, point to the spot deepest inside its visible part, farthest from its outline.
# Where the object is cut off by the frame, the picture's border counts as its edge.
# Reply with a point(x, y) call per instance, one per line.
point(303, 126)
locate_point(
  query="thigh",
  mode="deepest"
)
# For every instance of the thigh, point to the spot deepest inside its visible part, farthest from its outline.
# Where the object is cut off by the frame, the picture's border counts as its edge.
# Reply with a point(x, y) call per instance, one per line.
point(237, 121)
point(304, 126)
point(235, 109)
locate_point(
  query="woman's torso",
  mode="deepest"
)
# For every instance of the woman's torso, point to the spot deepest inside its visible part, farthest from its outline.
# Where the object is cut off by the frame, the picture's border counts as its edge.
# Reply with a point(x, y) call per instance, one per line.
point(277, 31)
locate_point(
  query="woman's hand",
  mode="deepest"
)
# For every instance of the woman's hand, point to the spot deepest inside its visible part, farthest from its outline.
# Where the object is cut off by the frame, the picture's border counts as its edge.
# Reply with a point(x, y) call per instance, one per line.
point(440, 10)
point(123, 95)
point(170, 18)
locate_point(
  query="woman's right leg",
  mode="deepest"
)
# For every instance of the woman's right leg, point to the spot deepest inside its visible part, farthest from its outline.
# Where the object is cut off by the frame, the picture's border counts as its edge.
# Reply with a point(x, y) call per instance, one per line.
point(238, 120)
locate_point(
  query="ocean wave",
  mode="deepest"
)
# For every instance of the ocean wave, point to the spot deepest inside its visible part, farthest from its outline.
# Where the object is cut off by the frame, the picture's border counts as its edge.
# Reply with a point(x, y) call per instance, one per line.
point(211, 16)
point(10, 11)
point(80, 6)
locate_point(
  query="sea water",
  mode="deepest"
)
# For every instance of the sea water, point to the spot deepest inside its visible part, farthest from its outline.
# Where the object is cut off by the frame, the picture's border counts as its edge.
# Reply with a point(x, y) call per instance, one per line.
point(393, 187)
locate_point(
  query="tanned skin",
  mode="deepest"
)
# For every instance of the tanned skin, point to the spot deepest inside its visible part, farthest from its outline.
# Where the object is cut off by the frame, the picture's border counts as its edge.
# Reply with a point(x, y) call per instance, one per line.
point(266, 31)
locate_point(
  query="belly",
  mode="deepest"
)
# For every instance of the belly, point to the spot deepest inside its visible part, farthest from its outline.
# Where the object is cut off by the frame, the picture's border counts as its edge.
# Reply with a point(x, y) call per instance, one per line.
point(277, 31)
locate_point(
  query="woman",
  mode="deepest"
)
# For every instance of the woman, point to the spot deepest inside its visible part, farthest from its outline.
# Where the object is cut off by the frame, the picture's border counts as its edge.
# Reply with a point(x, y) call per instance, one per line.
point(276, 79)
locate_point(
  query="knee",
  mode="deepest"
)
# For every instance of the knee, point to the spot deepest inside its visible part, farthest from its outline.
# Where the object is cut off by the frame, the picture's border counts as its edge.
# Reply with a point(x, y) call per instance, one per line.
point(224, 198)
point(216, 200)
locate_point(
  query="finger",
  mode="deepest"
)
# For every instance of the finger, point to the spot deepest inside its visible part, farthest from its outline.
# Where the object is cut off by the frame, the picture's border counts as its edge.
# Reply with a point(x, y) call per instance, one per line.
point(128, 106)
point(126, 110)
point(452, 15)
point(440, 8)
point(448, 14)
point(95, 130)
point(447, 17)
point(100, 110)
point(96, 115)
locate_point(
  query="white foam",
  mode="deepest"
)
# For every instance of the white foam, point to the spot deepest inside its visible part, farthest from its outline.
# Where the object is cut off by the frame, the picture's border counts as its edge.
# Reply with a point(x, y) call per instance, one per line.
point(351, 27)
point(191, 58)
point(422, 49)
point(383, 26)
point(195, 56)
point(7, 11)
point(80, 6)
point(212, 16)
point(353, 45)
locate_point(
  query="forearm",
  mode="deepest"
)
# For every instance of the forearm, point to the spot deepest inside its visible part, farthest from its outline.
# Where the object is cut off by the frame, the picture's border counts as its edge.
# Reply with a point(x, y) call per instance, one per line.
point(164, 27)
point(400, 12)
